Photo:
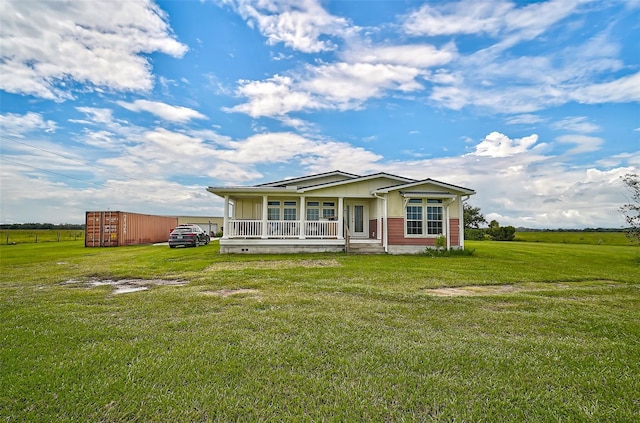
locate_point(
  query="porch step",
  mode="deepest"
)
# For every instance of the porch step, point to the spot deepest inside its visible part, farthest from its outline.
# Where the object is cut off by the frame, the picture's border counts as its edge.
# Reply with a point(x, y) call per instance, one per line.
point(360, 247)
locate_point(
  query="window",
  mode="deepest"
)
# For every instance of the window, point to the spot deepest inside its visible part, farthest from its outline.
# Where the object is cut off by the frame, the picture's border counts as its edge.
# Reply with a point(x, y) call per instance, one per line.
point(286, 209)
point(273, 210)
point(414, 217)
point(420, 223)
point(290, 208)
point(326, 210)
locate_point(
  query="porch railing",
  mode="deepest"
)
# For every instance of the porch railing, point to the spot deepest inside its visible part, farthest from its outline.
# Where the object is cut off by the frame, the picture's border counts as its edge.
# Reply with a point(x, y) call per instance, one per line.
point(245, 229)
point(283, 229)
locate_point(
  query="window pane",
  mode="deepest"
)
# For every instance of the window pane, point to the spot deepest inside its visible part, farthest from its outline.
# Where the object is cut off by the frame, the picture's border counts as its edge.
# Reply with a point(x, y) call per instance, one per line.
point(328, 213)
point(434, 201)
point(434, 228)
point(313, 203)
point(415, 201)
point(434, 220)
point(273, 214)
point(414, 219)
point(434, 213)
point(313, 214)
point(414, 213)
point(289, 214)
point(290, 203)
point(414, 227)
point(328, 204)
point(358, 214)
point(274, 203)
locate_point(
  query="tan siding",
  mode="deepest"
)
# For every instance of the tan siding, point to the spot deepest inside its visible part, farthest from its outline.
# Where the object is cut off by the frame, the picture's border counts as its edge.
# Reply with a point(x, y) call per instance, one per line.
point(362, 188)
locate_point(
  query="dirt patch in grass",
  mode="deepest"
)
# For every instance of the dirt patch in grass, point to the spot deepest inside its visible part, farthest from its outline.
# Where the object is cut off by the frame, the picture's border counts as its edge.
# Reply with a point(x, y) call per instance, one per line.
point(474, 290)
point(227, 292)
point(274, 264)
point(124, 286)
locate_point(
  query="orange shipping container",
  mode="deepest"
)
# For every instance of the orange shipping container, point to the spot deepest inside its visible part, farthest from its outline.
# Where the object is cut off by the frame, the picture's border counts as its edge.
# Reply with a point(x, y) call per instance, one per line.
point(116, 228)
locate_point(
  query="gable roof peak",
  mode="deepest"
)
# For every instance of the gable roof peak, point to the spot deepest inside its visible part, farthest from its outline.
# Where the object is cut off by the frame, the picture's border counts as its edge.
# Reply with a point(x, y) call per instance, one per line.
point(302, 179)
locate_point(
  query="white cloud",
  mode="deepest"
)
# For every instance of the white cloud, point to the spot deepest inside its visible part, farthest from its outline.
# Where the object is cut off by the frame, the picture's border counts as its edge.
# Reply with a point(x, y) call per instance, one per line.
point(491, 17)
point(163, 110)
point(499, 145)
point(46, 45)
point(622, 90)
point(338, 86)
point(299, 24)
point(464, 17)
point(490, 79)
point(576, 124)
point(413, 55)
point(275, 96)
point(524, 119)
point(96, 115)
point(583, 143)
point(17, 125)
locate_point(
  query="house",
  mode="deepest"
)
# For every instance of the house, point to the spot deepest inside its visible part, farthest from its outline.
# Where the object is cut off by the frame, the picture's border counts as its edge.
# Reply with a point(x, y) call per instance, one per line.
point(339, 211)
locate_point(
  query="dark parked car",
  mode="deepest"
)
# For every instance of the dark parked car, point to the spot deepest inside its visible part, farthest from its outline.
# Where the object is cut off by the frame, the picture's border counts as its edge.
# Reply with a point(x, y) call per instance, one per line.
point(189, 236)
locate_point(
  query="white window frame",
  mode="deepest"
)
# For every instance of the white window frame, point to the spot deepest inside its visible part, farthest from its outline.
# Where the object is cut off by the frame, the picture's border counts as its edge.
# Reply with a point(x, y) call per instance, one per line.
point(426, 206)
point(282, 209)
point(324, 209)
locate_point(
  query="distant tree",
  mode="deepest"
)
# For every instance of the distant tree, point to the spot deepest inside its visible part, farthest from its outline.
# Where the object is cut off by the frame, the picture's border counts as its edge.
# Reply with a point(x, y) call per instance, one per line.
point(501, 233)
point(472, 221)
point(631, 210)
point(472, 217)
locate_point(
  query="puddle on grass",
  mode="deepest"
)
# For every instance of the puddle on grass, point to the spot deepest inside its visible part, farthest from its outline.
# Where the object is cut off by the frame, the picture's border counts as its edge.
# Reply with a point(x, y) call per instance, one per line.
point(274, 264)
point(476, 290)
point(125, 286)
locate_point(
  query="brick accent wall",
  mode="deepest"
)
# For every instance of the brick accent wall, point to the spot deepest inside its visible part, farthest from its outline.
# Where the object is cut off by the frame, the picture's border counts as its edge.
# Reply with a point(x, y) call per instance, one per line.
point(396, 234)
point(454, 227)
point(373, 228)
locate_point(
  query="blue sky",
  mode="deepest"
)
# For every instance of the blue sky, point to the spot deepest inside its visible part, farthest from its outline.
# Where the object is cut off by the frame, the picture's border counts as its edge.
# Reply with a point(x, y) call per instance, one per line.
point(139, 106)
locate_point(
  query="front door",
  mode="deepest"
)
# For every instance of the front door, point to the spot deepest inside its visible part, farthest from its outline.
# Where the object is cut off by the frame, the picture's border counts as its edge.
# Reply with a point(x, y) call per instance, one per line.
point(357, 219)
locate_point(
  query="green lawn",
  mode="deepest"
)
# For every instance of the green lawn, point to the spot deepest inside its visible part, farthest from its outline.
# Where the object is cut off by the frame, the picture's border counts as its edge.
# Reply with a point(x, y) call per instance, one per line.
point(320, 337)
point(576, 237)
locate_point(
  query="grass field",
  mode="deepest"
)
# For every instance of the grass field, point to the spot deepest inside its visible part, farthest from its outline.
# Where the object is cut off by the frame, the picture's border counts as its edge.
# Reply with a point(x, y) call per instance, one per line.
point(576, 237)
point(21, 236)
point(544, 332)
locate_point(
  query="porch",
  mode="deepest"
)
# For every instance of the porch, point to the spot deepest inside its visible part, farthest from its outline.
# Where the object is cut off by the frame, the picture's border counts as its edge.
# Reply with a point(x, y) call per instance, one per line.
point(283, 229)
point(305, 217)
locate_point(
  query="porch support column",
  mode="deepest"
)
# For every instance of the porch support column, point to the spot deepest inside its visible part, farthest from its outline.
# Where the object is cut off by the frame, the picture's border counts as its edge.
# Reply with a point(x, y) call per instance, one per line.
point(460, 222)
point(265, 208)
point(303, 218)
point(379, 223)
point(340, 218)
point(225, 218)
point(448, 226)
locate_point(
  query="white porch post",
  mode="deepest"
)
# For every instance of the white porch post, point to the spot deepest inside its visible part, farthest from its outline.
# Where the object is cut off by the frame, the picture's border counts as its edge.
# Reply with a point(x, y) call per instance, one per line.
point(265, 208)
point(225, 218)
point(385, 230)
point(460, 222)
point(340, 218)
point(448, 226)
point(303, 218)
point(379, 224)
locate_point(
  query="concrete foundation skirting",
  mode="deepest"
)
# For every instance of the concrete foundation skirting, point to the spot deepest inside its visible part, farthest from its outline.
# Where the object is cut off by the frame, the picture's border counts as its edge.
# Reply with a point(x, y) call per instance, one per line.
point(236, 246)
point(410, 249)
